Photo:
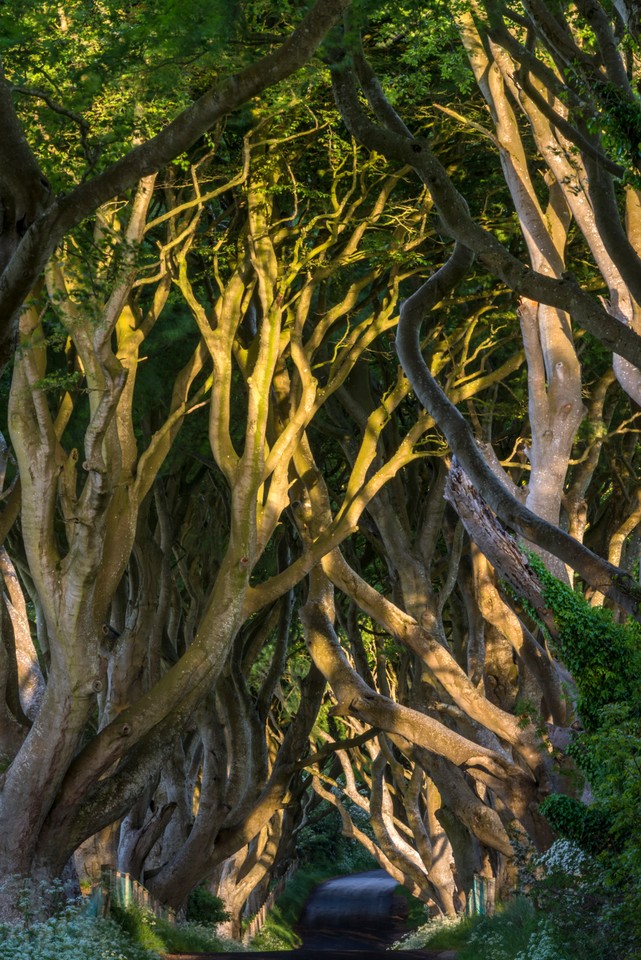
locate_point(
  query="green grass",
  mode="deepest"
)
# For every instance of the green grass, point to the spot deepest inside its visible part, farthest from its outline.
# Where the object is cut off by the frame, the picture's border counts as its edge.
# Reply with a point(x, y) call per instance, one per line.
point(136, 924)
point(441, 933)
point(453, 938)
point(153, 933)
point(499, 937)
point(505, 934)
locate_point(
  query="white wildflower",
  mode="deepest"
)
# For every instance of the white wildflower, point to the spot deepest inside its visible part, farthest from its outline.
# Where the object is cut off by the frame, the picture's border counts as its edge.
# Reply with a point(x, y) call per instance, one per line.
point(418, 938)
point(565, 857)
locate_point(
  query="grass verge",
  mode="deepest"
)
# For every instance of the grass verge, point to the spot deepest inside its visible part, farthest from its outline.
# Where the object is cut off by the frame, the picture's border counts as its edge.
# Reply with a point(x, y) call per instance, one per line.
point(503, 936)
point(160, 936)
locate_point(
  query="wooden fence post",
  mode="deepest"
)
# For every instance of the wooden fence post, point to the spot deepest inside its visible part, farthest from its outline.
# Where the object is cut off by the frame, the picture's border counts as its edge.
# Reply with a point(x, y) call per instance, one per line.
point(121, 889)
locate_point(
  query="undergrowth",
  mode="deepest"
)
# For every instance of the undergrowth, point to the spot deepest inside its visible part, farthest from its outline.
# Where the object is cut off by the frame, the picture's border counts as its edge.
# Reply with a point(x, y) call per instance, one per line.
point(47, 925)
point(154, 933)
point(499, 937)
point(68, 933)
point(503, 936)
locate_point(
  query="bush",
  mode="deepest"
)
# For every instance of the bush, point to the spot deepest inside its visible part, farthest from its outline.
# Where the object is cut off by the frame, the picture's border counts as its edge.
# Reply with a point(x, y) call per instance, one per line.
point(604, 657)
point(572, 896)
point(324, 846)
point(50, 926)
point(564, 917)
point(204, 907)
point(502, 936)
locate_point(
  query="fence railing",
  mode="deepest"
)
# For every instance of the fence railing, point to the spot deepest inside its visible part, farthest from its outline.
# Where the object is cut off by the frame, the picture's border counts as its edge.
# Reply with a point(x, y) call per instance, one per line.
point(481, 897)
point(258, 920)
point(119, 888)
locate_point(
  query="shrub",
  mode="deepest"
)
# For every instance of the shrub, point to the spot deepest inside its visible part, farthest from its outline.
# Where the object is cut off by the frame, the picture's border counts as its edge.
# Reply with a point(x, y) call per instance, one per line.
point(542, 945)
point(48, 925)
point(572, 895)
point(604, 657)
point(324, 846)
point(204, 907)
point(499, 937)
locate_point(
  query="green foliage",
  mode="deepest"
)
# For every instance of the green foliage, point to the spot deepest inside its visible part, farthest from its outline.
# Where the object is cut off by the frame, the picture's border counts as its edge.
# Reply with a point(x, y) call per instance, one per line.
point(323, 847)
point(428, 47)
point(618, 120)
point(193, 938)
point(91, 78)
point(205, 907)
point(57, 382)
point(587, 826)
point(564, 916)
point(153, 933)
point(139, 925)
point(499, 937)
point(571, 897)
point(71, 938)
point(604, 658)
point(504, 935)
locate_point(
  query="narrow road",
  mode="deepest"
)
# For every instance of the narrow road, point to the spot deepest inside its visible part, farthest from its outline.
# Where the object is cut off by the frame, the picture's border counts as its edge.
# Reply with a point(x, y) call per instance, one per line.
point(302, 954)
point(361, 912)
point(347, 918)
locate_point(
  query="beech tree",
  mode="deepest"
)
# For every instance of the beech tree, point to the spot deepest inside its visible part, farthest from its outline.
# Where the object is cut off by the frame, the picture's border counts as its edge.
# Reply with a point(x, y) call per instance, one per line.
point(117, 629)
point(73, 571)
point(211, 439)
point(510, 53)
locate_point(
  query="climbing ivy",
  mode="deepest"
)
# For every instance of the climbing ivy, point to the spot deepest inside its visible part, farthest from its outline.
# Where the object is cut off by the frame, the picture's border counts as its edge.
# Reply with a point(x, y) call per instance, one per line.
point(585, 826)
point(604, 658)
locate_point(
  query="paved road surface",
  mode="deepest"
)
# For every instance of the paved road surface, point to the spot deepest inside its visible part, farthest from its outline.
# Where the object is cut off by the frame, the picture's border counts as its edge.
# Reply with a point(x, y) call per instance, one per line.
point(302, 954)
point(355, 913)
point(347, 918)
